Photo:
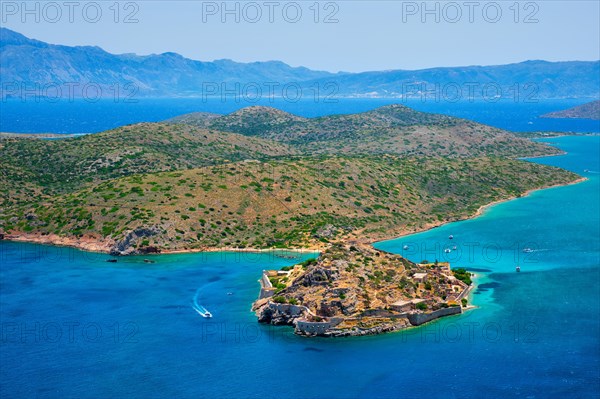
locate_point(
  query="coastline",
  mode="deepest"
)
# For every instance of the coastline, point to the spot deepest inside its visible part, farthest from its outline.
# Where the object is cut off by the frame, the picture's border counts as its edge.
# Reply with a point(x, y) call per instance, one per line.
point(102, 245)
point(479, 212)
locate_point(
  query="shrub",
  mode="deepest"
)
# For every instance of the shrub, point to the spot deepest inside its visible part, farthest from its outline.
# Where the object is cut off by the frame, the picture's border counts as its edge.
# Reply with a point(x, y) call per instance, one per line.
point(464, 302)
point(462, 275)
point(421, 306)
point(279, 299)
point(308, 262)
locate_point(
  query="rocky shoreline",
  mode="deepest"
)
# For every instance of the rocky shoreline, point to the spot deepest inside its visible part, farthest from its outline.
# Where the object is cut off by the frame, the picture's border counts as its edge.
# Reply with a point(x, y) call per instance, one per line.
point(109, 246)
point(299, 318)
point(356, 290)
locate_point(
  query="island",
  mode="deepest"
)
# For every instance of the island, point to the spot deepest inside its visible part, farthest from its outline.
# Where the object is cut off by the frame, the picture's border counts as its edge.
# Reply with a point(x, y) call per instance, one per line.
point(589, 110)
point(353, 289)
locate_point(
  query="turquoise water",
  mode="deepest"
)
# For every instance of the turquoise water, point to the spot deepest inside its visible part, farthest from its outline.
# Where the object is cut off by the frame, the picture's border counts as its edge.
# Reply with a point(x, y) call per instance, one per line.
point(76, 326)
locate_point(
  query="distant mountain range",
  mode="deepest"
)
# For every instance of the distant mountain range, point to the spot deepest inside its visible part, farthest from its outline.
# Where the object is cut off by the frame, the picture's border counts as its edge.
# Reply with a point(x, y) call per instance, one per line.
point(29, 65)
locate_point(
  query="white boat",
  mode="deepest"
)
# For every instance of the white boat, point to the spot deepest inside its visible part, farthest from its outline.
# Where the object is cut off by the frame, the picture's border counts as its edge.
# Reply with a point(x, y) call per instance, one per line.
point(450, 237)
point(203, 313)
point(405, 247)
point(454, 248)
point(528, 250)
point(201, 310)
point(447, 250)
point(518, 268)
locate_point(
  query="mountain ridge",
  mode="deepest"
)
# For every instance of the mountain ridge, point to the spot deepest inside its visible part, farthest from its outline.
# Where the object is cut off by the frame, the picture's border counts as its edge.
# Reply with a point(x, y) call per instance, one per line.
point(171, 75)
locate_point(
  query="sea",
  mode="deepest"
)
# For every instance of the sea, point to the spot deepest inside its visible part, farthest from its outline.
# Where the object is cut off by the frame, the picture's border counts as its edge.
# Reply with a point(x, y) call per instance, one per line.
point(75, 326)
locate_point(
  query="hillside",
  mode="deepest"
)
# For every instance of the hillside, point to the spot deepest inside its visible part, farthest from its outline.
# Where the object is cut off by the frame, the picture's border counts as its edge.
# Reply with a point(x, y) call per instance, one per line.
point(393, 129)
point(304, 202)
point(36, 64)
point(48, 167)
point(63, 165)
point(589, 110)
point(261, 178)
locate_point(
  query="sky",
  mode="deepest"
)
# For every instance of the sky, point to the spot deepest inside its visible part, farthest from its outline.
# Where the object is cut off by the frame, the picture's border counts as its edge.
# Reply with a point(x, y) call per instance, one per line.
point(350, 36)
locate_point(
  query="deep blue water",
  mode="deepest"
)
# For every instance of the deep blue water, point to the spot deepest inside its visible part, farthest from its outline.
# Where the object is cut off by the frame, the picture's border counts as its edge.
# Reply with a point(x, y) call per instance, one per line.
point(76, 326)
point(79, 116)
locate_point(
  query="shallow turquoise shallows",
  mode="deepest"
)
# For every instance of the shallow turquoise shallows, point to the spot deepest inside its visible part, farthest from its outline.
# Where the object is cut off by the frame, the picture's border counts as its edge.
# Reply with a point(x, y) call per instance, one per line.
point(76, 326)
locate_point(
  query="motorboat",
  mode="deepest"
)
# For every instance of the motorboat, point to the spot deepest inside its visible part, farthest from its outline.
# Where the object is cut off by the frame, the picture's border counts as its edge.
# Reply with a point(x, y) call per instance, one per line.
point(203, 313)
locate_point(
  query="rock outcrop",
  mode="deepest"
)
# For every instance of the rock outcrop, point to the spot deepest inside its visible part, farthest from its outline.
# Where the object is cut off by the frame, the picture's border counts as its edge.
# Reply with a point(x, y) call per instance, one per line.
point(127, 246)
point(280, 313)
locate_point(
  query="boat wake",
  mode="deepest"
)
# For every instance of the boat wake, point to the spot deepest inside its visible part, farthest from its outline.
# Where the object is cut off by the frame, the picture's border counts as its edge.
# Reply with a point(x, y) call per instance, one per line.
point(201, 310)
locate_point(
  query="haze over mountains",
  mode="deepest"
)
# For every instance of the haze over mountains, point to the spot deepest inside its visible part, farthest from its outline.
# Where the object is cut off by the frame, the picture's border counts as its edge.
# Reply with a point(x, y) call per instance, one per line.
point(35, 65)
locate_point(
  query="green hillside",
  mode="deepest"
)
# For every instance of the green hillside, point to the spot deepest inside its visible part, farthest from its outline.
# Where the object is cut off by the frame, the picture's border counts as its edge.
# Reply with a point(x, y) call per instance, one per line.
point(393, 129)
point(294, 203)
point(266, 179)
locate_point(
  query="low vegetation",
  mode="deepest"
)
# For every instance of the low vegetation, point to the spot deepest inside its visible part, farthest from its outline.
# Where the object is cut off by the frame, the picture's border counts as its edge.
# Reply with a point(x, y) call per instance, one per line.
point(269, 179)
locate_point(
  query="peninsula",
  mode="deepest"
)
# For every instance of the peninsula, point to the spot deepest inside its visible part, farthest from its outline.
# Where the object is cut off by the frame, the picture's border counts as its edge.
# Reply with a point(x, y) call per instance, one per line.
point(589, 110)
point(261, 178)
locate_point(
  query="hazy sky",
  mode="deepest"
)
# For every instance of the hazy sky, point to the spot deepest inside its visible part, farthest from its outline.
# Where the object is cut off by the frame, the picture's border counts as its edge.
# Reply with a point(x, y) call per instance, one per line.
point(333, 36)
